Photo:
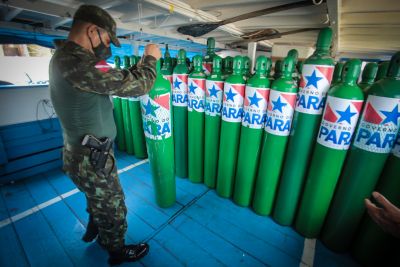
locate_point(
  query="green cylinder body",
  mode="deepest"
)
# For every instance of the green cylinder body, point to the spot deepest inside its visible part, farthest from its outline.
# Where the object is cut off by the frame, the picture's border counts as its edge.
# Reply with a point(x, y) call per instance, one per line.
point(196, 102)
point(339, 120)
point(139, 141)
point(295, 55)
point(119, 121)
point(368, 75)
point(208, 58)
point(126, 116)
point(232, 112)
point(281, 103)
point(375, 137)
point(316, 77)
point(180, 114)
point(372, 244)
point(156, 108)
point(254, 115)
point(382, 70)
point(214, 92)
point(337, 74)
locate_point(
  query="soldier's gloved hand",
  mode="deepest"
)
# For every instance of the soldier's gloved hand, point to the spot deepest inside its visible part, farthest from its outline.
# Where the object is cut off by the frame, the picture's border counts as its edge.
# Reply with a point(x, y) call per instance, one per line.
point(152, 50)
point(387, 217)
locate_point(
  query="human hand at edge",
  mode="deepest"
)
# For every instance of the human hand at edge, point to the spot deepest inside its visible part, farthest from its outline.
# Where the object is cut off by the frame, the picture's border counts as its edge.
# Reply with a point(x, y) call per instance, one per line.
point(153, 50)
point(387, 217)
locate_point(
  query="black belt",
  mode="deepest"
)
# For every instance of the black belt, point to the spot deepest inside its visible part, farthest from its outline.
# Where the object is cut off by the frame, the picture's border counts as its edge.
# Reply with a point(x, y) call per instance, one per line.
point(77, 149)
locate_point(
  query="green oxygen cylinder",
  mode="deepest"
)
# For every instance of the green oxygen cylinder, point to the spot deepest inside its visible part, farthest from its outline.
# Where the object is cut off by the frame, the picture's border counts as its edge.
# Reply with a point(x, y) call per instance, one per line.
point(135, 114)
point(383, 68)
point(281, 103)
point(368, 75)
point(375, 137)
point(214, 87)
point(339, 120)
point(126, 117)
point(174, 62)
point(315, 81)
point(119, 121)
point(180, 114)
point(372, 244)
point(166, 69)
point(133, 60)
point(337, 74)
point(254, 115)
point(295, 55)
point(268, 70)
point(208, 58)
point(227, 67)
point(156, 111)
point(246, 67)
point(232, 112)
point(299, 67)
point(277, 69)
point(196, 102)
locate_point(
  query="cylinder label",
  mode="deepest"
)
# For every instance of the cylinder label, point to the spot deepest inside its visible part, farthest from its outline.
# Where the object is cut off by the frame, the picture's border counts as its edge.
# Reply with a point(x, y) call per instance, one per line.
point(179, 90)
point(207, 68)
point(379, 124)
point(255, 107)
point(197, 94)
point(156, 116)
point(314, 84)
point(339, 122)
point(280, 112)
point(232, 107)
point(214, 98)
point(168, 77)
point(396, 148)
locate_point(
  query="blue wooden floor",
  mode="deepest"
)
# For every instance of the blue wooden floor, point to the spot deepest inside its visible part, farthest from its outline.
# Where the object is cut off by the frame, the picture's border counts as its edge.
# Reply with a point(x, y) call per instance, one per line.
point(201, 229)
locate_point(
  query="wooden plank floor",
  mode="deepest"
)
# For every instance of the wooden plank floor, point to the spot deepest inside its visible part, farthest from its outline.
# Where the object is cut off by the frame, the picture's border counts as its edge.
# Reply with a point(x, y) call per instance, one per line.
point(42, 219)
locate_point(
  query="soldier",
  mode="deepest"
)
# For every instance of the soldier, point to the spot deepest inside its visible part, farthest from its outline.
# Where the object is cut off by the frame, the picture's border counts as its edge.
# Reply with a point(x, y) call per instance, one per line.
point(80, 86)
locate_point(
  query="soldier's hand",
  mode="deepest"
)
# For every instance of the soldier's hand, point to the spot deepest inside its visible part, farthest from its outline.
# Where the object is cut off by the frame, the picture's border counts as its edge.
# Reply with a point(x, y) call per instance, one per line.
point(387, 216)
point(152, 50)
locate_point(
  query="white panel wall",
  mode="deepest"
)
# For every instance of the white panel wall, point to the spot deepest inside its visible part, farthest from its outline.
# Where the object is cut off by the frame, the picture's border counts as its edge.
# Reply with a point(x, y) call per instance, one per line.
point(282, 50)
point(21, 104)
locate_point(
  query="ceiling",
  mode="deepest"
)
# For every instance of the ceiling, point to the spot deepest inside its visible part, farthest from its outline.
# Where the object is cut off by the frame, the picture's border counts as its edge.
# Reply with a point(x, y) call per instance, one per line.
point(366, 27)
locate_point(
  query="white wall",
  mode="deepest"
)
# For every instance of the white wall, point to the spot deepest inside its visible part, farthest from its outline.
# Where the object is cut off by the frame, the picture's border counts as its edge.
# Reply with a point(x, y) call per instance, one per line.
point(19, 105)
point(282, 50)
point(233, 53)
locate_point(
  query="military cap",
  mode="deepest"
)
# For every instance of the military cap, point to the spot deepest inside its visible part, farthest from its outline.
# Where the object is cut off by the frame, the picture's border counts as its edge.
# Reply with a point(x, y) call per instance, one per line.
point(99, 17)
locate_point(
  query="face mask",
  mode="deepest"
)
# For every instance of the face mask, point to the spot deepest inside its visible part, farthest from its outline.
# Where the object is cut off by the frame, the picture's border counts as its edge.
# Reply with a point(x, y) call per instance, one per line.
point(101, 51)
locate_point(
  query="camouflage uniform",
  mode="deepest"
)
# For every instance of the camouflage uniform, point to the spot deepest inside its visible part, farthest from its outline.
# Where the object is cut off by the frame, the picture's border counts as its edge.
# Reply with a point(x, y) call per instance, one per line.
point(80, 89)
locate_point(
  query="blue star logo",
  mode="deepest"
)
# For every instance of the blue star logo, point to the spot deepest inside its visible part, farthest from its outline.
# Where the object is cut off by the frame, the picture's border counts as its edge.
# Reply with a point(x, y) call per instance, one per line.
point(213, 91)
point(313, 80)
point(177, 83)
point(192, 88)
point(391, 116)
point(230, 95)
point(254, 99)
point(346, 115)
point(278, 104)
point(149, 108)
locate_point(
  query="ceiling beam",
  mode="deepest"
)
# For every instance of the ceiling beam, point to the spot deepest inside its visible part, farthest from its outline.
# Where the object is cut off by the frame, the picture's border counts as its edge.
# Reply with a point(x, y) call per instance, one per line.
point(12, 13)
point(197, 14)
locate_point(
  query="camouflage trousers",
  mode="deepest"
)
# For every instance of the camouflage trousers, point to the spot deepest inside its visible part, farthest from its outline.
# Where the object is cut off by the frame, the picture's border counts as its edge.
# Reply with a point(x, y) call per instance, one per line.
point(104, 195)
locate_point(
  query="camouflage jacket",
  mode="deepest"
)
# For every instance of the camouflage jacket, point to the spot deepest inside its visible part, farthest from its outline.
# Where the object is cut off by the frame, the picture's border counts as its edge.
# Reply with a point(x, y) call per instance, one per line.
point(80, 87)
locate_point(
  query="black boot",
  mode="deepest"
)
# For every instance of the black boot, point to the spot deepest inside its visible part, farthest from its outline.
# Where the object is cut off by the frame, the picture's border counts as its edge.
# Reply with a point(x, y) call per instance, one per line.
point(91, 231)
point(128, 253)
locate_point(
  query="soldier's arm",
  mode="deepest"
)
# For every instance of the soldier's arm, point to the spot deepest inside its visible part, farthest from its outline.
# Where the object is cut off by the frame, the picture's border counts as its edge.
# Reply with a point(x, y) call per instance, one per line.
point(134, 82)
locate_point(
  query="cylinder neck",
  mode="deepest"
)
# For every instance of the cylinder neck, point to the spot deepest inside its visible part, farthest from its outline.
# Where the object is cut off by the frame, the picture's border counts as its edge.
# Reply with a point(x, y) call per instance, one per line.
point(197, 63)
point(261, 66)
point(217, 64)
point(210, 45)
point(126, 62)
point(351, 71)
point(324, 41)
point(369, 73)
point(237, 65)
point(394, 67)
point(337, 73)
point(181, 57)
point(294, 54)
point(287, 67)
point(117, 62)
